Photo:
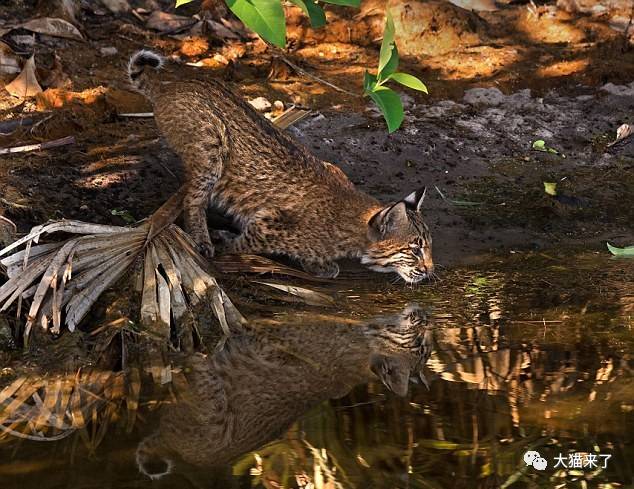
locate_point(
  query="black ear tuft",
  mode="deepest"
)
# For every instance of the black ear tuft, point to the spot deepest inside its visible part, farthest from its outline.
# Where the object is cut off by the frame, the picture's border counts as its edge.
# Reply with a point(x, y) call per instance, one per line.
point(414, 201)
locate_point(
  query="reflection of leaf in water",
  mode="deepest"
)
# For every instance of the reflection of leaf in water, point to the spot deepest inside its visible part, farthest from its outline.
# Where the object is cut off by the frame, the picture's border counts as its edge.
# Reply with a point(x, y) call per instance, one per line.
point(550, 188)
point(311, 297)
point(480, 281)
point(627, 251)
point(477, 285)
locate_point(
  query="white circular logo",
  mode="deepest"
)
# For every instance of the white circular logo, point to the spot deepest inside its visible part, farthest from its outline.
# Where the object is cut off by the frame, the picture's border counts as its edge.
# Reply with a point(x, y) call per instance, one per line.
point(530, 456)
point(540, 463)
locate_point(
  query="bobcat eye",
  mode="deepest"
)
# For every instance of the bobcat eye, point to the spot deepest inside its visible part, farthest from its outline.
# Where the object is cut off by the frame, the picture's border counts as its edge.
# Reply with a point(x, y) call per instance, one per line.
point(416, 250)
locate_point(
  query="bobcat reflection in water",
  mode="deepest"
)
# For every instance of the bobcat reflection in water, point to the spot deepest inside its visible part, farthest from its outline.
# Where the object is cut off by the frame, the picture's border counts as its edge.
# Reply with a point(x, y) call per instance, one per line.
point(245, 395)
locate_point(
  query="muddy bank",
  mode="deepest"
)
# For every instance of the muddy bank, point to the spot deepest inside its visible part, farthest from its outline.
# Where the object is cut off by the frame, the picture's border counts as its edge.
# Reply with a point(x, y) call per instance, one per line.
point(478, 152)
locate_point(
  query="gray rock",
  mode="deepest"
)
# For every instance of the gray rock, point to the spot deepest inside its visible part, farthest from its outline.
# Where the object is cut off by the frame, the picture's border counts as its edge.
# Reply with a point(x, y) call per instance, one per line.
point(260, 104)
point(620, 90)
point(484, 96)
point(108, 51)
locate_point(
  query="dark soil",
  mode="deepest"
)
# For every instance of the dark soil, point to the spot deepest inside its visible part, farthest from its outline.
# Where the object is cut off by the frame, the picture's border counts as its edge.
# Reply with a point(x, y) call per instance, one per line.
point(553, 75)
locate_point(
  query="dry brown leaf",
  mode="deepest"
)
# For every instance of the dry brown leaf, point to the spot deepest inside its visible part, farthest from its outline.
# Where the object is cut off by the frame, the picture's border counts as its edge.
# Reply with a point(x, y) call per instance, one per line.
point(220, 31)
point(624, 132)
point(52, 26)
point(25, 84)
point(164, 22)
point(309, 296)
point(70, 9)
point(290, 116)
point(117, 6)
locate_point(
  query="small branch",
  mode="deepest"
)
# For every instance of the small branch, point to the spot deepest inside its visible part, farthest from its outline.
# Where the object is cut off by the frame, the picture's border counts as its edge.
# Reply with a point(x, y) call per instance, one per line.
point(137, 114)
point(280, 54)
point(10, 223)
point(39, 147)
point(13, 204)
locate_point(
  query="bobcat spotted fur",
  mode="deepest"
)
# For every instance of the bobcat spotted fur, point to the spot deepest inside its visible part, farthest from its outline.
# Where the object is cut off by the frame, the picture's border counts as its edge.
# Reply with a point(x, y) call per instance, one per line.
point(285, 200)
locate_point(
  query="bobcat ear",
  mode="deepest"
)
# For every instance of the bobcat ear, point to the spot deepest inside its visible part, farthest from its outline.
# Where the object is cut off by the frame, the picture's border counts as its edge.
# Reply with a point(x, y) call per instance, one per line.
point(421, 379)
point(415, 200)
point(389, 219)
point(392, 372)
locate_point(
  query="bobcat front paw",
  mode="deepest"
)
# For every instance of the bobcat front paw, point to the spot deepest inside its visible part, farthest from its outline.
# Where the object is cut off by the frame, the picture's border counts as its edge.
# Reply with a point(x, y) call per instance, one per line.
point(327, 269)
point(222, 236)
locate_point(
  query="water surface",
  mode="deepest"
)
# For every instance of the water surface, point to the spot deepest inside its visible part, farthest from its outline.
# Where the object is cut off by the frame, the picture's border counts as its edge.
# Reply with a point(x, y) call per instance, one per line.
point(441, 385)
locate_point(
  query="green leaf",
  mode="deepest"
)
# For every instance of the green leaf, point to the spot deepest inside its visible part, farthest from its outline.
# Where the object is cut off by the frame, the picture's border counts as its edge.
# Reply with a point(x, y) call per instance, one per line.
point(314, 12)
point(550, 188)
point(369, 82)
point(266, 17)
point(182, 2)
point(123, 214)
point(390, 104)
point(627, 251)
point(346, 3)
point(387, 45)
point(391, 65)
point(409, 81)
point(540, 145)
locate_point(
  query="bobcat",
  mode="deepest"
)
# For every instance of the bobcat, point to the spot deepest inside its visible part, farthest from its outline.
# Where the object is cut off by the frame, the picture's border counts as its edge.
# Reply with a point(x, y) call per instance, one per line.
point(262, 381)
point(285, 200)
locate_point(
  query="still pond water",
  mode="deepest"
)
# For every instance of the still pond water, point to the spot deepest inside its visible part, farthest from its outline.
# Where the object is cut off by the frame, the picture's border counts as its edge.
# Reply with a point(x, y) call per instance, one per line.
point(444, 385)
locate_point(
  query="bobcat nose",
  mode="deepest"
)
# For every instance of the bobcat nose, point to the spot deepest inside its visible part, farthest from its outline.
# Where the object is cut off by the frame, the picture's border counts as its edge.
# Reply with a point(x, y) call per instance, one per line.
point(426, 266)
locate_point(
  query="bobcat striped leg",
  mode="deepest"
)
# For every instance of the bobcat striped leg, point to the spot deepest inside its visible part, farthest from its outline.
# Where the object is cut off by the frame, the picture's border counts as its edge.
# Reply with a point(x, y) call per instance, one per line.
point(195, 213)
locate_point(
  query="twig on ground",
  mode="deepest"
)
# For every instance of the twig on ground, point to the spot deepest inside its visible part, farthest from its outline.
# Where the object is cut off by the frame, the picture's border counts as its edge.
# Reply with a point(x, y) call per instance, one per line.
point(280, 54)
point(10, 223)
point(136, 114)
point(290, 116)
point(40, 122)
point(15, 205)
point(38, 147)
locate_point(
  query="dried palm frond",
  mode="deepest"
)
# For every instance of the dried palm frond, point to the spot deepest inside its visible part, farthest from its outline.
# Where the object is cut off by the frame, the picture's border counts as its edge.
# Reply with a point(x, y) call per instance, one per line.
point(260, 265)
point(52, 408)
point(69, 276)
point(311, 297)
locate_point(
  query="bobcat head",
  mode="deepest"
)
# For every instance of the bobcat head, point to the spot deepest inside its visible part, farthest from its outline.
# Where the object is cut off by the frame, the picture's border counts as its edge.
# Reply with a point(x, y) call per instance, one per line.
point(400, 240)
point(407, 330)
